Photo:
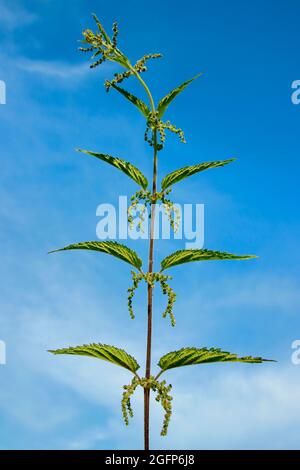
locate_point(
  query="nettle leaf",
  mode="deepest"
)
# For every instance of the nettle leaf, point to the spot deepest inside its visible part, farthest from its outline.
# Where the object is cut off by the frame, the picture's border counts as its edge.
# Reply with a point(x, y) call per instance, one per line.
point(193, 356)
point(187, 256)
point(133, 99)
point(112, 248)
point(164, 102)
point(104, 352)
point(186, 171)
point(101, 29)
point(127, 167)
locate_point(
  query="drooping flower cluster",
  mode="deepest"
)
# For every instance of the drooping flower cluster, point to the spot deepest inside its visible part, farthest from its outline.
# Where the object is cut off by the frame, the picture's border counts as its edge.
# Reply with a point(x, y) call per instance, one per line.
point(143, 198)
point(138, 208)
point(153, 122)
point(126, 399)
point(167, 290)
point(138, 67)
point(151, 279)
point(136, 278)
point(162, 396)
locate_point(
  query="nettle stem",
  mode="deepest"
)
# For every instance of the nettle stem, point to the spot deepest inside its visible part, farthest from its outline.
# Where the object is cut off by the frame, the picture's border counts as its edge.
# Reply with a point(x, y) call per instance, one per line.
point(150, 270)
point(146, 88)
point(150, 298)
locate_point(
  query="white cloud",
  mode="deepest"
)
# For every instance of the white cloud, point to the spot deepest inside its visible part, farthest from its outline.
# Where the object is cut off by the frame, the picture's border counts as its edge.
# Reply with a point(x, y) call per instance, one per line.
point(63, 73)
point(89, 439)
point(12, 15)
point(226, 406)
point(255, 407)
point(234, 407)
point(260, 291)
point(54, 69)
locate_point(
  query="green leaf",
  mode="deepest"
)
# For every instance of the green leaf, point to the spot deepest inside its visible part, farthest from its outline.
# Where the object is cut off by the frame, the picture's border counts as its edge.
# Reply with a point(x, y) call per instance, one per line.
point(186, 171)
point(186, 256)
point(104, 352)
point(192, 356)
point(127, 167)
point(133, 99)
point(112, 248)
point(101, 29)
point(164, 102)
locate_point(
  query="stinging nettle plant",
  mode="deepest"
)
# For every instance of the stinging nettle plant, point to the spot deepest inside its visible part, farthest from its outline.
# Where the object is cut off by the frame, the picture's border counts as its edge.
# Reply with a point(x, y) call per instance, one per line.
point(105, 48)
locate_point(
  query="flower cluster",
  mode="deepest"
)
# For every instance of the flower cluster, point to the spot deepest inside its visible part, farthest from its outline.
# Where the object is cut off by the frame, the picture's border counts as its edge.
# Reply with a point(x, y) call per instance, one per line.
point(126, 402)
point(136, 206)
point(173, 214)
point(119, 77)
point(165, 399)
point(162, 396)
point(151, 279)
point(103, 47)
point(167, 290)
point(139, 67)
point(153, 122)
point(136, 278)
point(167, 125)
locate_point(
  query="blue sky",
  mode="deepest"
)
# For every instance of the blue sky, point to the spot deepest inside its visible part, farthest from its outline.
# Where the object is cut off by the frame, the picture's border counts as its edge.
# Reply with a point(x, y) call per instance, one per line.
point(240, 107)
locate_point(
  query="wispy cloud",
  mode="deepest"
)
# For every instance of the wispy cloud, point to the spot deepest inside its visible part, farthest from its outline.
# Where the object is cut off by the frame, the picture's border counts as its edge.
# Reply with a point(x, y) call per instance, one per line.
point(54, 69)
point(90, 439)
point(61, 73)
point(257, 403)
point(237, 408)
point(253, 291)
point(13, 16)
